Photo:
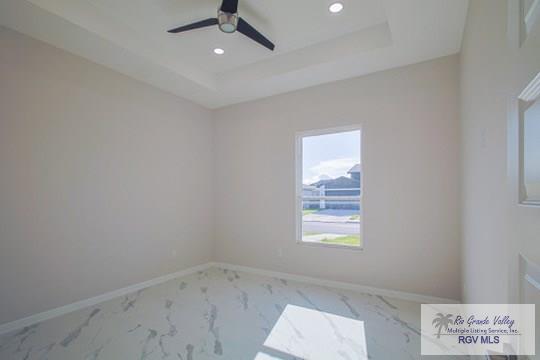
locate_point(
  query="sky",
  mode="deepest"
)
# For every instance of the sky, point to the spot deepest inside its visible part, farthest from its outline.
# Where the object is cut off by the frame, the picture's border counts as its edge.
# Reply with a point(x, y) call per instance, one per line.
point(329, 156)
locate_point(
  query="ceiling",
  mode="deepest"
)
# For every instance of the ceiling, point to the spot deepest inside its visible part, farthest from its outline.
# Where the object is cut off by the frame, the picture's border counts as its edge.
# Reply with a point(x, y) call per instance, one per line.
point(313, 46)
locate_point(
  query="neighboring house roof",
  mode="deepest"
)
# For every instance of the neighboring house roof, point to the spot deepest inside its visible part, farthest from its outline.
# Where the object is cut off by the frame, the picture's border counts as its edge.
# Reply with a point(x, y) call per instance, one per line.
point(339, 183)
point(354, 169)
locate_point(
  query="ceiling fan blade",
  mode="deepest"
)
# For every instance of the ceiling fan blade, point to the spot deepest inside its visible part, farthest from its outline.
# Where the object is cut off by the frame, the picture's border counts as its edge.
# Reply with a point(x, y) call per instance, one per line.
point(250, 32)
point(229, 6)
point(195, 25)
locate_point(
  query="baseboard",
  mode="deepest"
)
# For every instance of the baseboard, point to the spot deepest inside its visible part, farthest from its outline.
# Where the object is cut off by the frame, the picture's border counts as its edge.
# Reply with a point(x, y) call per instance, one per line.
point(425, 299)
point(49, 314)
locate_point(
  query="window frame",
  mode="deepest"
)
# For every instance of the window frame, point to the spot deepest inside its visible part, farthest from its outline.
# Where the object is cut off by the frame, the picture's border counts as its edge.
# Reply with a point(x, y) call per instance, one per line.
point(298, 164)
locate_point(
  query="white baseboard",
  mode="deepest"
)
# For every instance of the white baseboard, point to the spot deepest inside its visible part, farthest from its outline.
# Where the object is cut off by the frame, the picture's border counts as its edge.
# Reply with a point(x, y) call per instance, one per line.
point(424, 299)
point(49, 314)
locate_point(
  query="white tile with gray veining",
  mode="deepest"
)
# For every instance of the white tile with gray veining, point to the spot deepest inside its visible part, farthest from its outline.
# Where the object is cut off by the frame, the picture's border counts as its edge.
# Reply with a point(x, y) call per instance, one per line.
point(221, 314)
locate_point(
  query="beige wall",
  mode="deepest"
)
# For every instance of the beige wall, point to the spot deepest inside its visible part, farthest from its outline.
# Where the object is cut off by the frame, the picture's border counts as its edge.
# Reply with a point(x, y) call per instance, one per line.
point(484, 191)
point(104, 181)
point(410, 122)
point(494, 70)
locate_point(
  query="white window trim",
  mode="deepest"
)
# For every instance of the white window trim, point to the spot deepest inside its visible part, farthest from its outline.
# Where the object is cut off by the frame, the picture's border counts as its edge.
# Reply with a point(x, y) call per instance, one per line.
point(298, 185)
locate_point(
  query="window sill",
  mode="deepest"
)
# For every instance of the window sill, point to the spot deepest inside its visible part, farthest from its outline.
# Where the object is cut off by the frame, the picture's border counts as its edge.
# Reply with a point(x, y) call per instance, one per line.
point(333, 246)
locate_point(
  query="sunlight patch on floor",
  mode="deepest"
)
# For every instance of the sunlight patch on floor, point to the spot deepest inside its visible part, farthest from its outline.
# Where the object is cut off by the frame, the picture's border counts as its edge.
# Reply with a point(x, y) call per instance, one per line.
point(313, 334)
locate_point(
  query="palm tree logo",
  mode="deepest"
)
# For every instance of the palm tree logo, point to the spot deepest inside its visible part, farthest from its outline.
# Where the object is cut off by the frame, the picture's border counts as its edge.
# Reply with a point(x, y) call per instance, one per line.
point(442, 321)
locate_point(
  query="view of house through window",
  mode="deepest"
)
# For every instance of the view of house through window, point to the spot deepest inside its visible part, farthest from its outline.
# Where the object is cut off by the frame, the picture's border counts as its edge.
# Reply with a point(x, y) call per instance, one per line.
point(330, 190)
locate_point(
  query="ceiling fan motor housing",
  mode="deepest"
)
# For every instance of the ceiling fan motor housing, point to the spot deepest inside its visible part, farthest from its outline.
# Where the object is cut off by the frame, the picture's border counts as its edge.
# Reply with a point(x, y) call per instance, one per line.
point(227, 21)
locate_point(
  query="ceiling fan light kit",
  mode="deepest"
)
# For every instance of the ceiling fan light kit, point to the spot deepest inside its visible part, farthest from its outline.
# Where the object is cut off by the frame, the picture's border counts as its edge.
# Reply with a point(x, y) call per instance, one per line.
point(229, 22)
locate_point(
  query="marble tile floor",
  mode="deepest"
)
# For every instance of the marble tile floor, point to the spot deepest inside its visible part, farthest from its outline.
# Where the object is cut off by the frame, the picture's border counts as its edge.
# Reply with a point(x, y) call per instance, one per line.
point(223, 314)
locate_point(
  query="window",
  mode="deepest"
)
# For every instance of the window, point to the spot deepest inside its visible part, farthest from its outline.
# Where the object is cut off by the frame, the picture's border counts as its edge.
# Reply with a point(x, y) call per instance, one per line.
point(329, 188)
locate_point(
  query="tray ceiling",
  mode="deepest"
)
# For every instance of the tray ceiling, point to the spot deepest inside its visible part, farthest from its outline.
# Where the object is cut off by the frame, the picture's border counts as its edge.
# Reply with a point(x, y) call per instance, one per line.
point(313, 46)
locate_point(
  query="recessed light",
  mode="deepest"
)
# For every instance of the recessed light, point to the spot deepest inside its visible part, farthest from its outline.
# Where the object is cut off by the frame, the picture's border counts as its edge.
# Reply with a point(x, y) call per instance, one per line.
point(335, 7)
point(219, 51)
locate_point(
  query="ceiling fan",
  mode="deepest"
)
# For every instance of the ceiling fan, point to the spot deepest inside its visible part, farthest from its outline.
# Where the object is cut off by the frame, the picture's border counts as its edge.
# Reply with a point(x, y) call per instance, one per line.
point(228, 21)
